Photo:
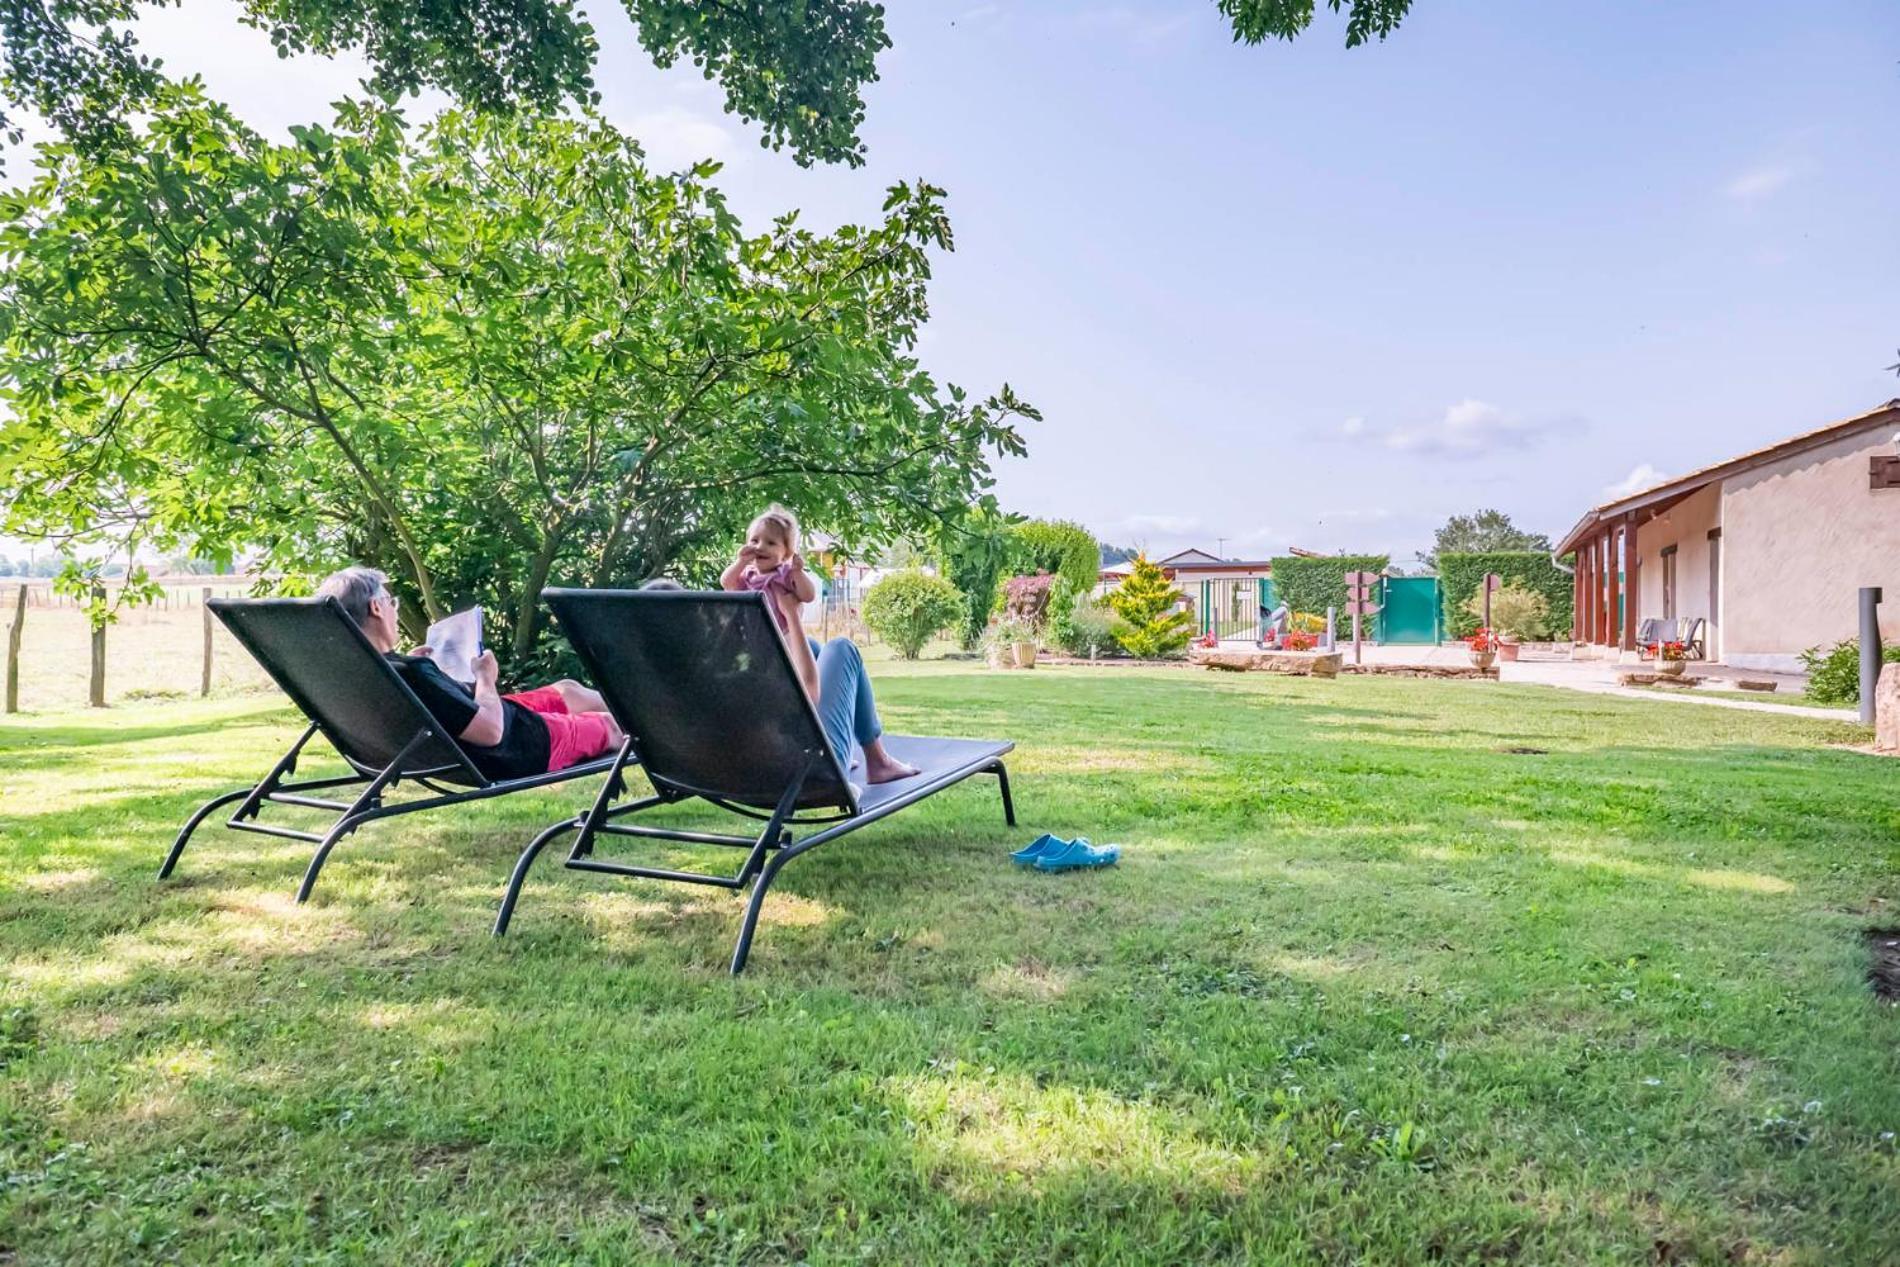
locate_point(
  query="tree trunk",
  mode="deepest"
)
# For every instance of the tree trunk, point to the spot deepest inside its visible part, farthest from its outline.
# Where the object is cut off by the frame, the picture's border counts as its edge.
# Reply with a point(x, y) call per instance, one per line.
point(204, 679)
point(96, 685)
point(528, 603)
point(14, 633)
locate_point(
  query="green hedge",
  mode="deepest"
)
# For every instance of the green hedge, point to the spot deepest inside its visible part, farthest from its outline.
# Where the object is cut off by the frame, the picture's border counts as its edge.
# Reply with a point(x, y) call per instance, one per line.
point(1313, 585)
point(1461, 575)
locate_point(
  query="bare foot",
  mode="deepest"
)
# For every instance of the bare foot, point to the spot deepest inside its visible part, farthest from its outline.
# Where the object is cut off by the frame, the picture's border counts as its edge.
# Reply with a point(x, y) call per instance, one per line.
point(882, 767)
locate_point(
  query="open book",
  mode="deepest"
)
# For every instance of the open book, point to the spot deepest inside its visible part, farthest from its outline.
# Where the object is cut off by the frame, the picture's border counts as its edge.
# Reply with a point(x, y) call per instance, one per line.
point(455, 642)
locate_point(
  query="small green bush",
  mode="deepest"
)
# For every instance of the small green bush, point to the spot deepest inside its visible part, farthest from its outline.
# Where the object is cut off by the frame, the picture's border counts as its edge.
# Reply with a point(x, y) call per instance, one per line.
point(1516, 612)
point(1834, 674)
point(908, 609)
point(1461, 578)
point(1078, 625)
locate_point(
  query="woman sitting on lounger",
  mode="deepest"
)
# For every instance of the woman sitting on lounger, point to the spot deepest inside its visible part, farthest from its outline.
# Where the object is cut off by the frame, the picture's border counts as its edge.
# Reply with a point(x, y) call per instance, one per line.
point(833, 675)
point(507, 736)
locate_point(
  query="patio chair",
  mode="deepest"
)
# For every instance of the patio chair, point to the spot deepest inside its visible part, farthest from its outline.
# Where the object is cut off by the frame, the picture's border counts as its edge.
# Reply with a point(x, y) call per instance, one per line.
point(1692, 633)
point(1651, 634)
point(713, 710)
point(315, 652)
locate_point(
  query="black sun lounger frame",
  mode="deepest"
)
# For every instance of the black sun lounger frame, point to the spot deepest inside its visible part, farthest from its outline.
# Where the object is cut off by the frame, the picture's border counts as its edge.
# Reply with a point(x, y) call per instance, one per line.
point(713, 710)
point(355, 698)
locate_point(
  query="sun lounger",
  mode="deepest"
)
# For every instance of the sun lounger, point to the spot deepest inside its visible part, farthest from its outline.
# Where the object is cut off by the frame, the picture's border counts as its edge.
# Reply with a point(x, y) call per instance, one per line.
point(713, 710)
point(351, 694)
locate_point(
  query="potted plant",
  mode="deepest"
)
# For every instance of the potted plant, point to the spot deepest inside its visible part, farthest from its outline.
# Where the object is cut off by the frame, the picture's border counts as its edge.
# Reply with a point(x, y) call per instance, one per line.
point(1672, 658)
point(1019, 636)
point(1517, 614)
point(996, 649)
point(1483, 646)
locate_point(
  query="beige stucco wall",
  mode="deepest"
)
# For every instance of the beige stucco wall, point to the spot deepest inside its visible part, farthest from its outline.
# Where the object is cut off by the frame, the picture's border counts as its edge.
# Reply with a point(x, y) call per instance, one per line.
point(1686, 526)
point(1799, 538)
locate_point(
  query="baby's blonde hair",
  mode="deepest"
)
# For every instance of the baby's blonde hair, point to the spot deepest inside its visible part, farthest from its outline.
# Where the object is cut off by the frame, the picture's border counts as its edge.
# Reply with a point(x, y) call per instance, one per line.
point(782, 520)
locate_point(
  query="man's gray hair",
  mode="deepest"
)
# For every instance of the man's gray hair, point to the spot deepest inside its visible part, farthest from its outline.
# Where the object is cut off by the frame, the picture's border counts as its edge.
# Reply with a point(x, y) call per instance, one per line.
point(354, 588)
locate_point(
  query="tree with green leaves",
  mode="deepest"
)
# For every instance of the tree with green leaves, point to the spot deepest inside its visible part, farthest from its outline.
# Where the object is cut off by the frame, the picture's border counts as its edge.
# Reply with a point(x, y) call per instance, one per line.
point(797, 69)
point(1146, 622)
point(1256, 21)
point(1482, 533)
point(484, 356)
point(974, 550)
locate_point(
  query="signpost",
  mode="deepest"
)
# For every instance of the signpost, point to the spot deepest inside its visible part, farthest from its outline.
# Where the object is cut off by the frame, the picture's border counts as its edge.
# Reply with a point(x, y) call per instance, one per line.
point(1359, 604)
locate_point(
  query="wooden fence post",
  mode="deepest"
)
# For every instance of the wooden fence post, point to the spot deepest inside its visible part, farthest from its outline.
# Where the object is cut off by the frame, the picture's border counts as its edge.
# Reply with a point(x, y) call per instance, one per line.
point(13, 650)
point(204, 681)
point(96, 688)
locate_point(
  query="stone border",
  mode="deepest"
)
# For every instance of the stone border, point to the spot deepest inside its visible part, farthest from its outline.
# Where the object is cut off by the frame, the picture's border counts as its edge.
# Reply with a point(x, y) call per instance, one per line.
point(1453, 672)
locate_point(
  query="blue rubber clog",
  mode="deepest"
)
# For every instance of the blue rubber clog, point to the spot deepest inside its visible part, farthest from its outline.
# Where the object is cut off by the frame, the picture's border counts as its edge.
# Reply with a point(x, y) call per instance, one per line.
point(1043, 844)
point(1077, 855)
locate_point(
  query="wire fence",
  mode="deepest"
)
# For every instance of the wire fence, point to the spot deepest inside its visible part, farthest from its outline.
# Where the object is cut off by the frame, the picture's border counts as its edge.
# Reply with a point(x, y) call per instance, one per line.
point(169, 647)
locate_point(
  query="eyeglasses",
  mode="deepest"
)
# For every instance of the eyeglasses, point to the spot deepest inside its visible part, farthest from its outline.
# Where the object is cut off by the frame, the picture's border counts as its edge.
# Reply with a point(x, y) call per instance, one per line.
point(395, 603)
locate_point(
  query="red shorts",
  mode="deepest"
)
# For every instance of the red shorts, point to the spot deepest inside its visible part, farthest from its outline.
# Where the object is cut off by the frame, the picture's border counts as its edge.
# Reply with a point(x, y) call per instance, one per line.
point(572, 737)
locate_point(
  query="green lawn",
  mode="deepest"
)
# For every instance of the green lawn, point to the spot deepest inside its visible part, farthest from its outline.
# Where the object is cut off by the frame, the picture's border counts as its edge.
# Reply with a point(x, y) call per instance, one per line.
point(1365, 988)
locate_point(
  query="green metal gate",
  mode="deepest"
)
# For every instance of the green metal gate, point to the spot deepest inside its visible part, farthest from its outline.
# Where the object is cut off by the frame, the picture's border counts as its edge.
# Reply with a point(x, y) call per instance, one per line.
point(1411, 613)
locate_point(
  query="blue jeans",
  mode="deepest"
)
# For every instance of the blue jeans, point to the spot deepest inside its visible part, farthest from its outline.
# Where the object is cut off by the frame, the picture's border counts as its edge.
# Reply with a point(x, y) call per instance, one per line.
point(845, 707)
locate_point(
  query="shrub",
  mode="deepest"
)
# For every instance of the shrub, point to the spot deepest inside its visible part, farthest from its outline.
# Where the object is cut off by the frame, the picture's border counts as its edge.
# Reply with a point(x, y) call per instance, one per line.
point(1307, 622)
point(1834, 674)
point(1058, 547)
point(1078, 625)
point(1147, 625)
point(1026, 598)
point(974, 553)
point(908, 609)
point(1313, 585)
point(1461, 578)
point(1516, 612)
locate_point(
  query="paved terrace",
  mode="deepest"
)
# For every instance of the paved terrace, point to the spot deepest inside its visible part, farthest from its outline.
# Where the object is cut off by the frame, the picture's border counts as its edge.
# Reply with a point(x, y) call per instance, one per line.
point(1598, 676)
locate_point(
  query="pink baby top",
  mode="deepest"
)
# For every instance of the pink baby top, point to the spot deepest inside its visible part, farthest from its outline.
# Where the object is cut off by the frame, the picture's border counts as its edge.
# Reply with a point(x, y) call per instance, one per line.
point(772, 584)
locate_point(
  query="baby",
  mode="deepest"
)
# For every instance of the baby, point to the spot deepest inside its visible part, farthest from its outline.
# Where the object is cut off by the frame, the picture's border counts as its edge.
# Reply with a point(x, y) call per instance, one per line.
point(769, 563)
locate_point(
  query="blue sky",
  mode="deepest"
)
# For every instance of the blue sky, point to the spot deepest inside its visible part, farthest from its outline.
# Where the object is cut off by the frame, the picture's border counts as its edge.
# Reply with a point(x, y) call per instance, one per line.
point(1300, 295)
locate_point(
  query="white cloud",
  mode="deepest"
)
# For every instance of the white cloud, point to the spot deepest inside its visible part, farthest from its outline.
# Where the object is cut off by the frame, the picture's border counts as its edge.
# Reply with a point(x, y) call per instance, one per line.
point(1758, 182)
point(675, 137)
point(1470, 428)
point(1354, 426)
point(1642, 477)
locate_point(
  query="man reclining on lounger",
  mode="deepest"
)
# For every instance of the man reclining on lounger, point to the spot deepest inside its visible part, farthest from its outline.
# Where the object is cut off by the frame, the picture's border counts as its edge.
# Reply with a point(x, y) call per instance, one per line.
point(507, 736)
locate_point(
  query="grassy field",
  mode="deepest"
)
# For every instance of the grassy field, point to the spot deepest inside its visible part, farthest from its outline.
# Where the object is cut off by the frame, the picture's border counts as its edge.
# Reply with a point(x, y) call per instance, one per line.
point(152, 653)
point(1367, 987)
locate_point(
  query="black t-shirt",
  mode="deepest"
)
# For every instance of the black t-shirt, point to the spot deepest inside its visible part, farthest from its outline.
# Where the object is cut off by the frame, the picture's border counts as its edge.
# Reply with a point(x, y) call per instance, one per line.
point(523, 749)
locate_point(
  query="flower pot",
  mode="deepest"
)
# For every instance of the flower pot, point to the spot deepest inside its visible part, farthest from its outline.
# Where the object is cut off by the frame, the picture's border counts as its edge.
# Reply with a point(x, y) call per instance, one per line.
point(1025, 654)
point(1671, 668)
point(998, 656)
point(1483, 659)
point(1507, 649)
